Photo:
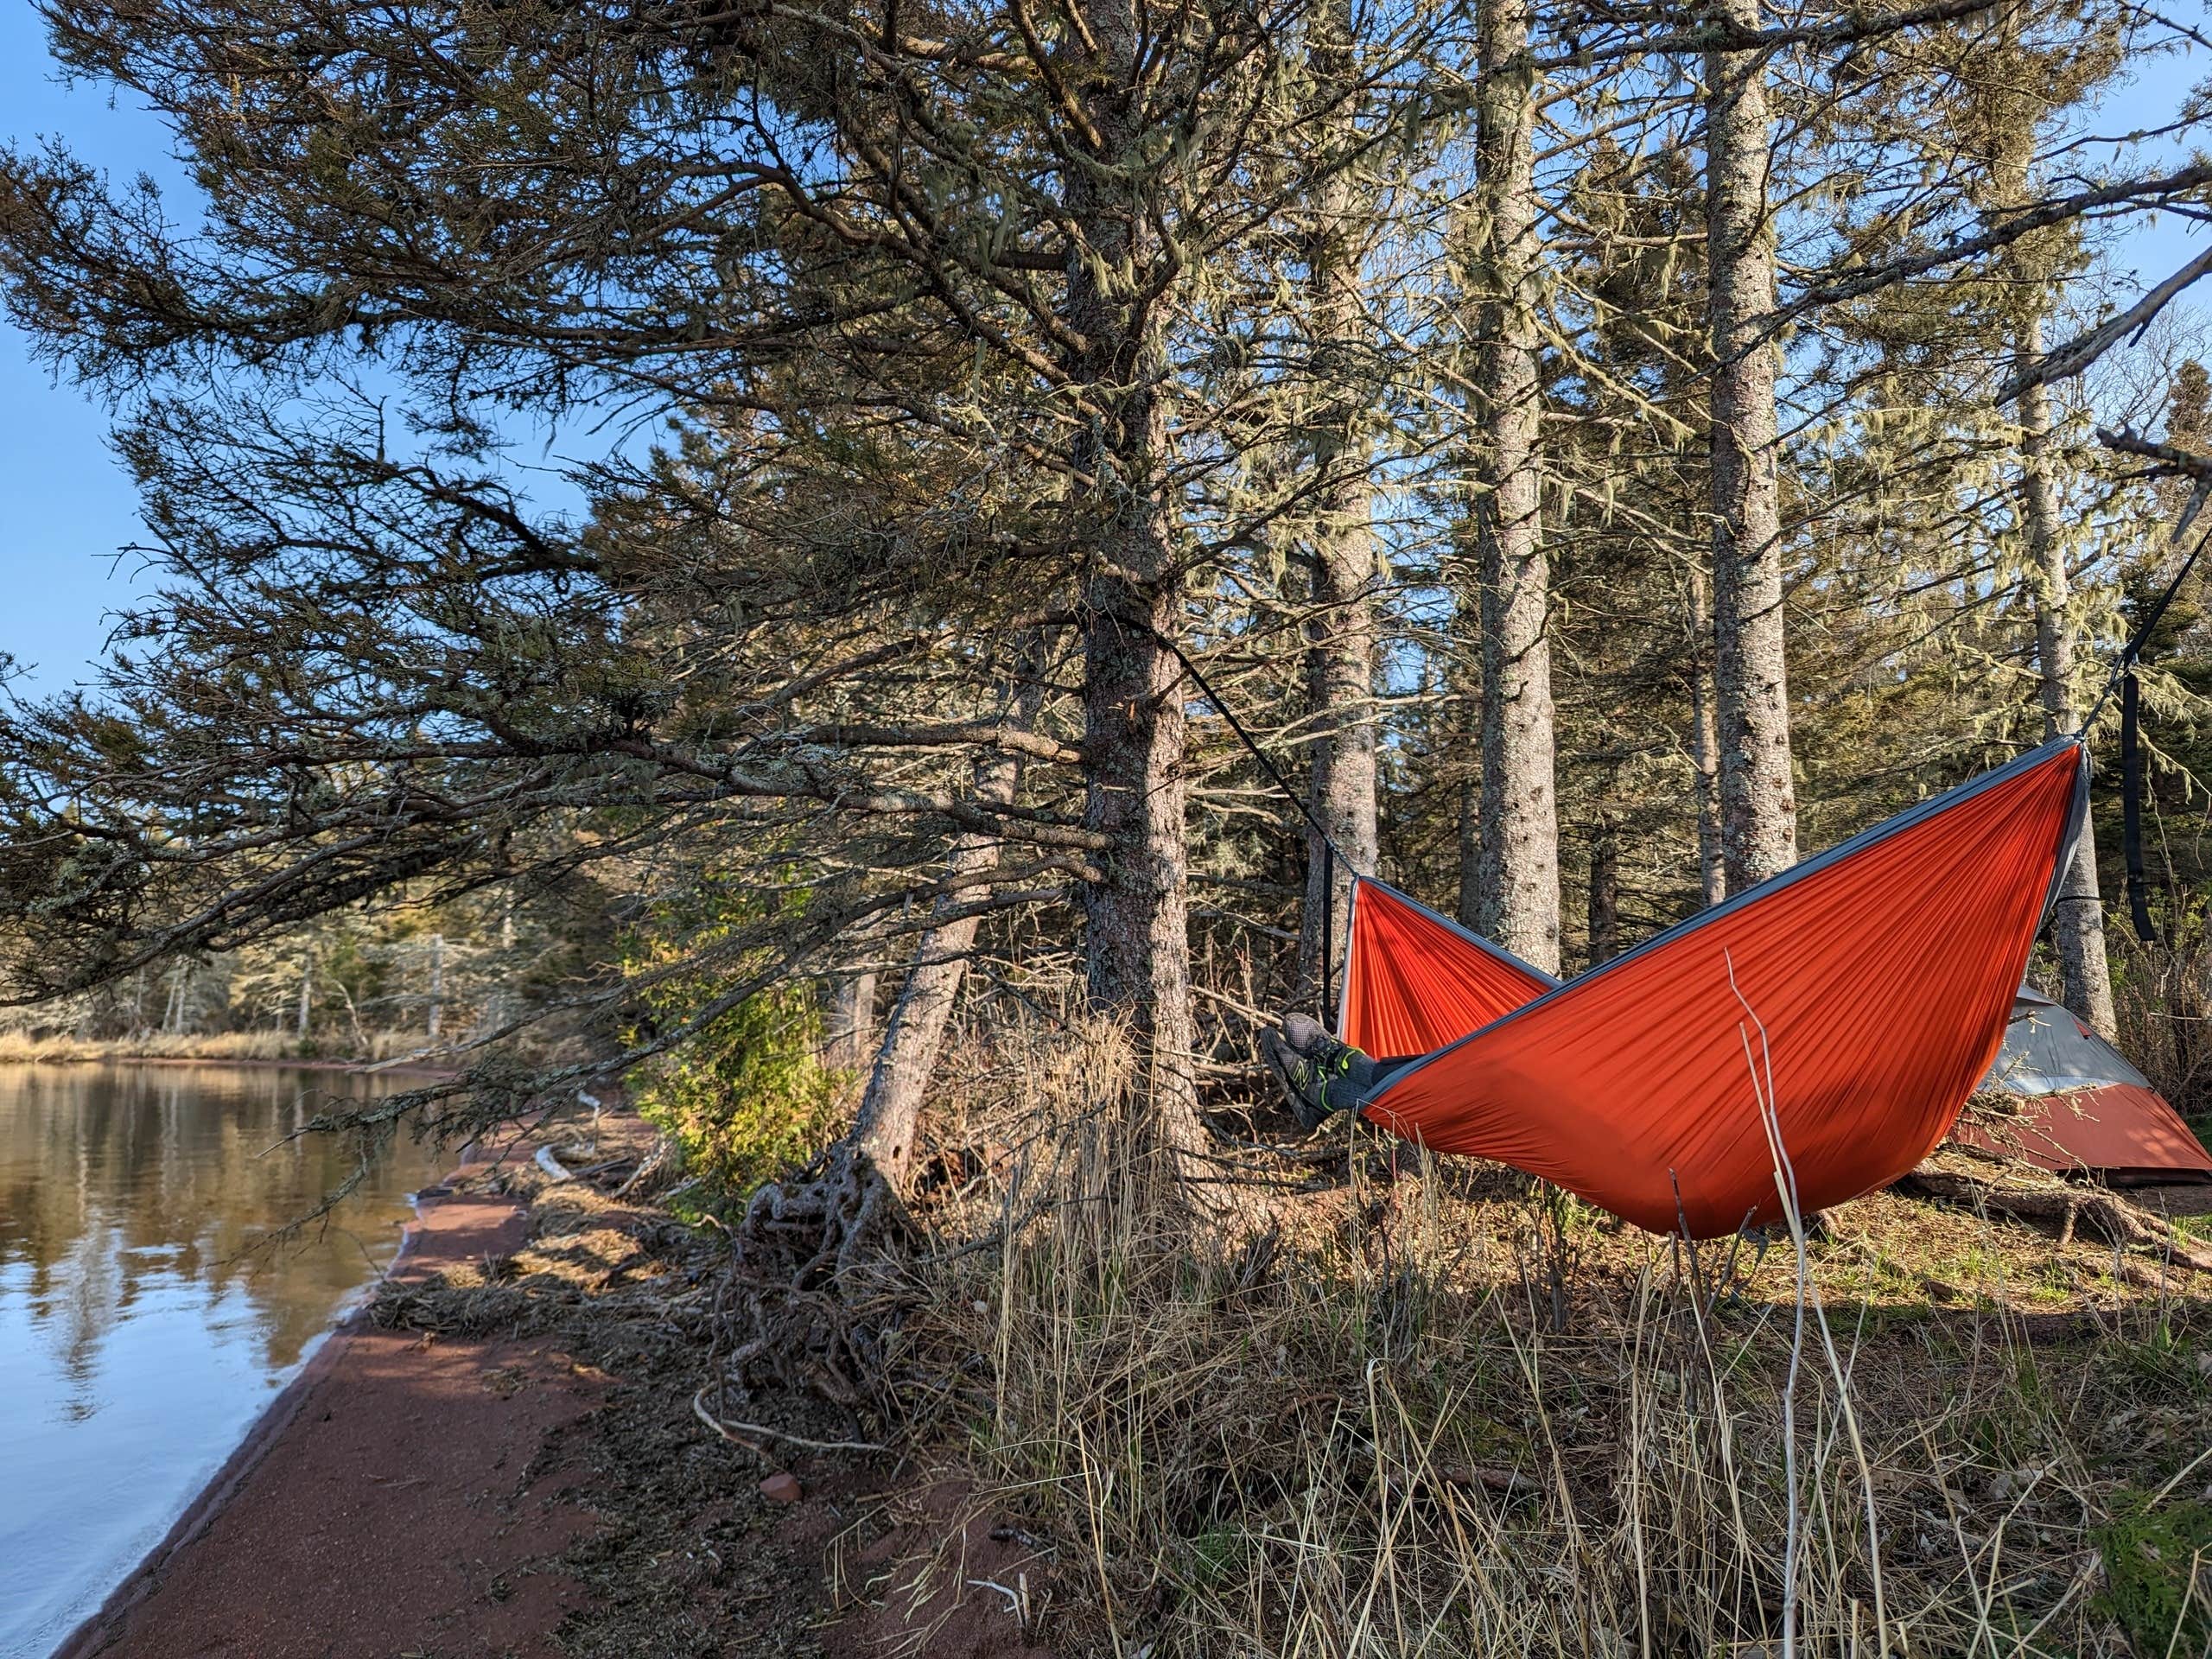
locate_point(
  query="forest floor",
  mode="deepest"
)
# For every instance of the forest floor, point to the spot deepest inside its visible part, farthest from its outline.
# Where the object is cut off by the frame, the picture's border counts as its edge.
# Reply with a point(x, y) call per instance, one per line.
point(501, 1459)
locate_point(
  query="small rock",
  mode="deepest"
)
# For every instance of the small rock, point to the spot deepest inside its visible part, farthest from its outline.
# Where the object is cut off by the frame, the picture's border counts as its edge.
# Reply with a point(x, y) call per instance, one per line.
point(981, 1307)
point(781, 1488)
point(2001, 1487)
point(2204, 1364)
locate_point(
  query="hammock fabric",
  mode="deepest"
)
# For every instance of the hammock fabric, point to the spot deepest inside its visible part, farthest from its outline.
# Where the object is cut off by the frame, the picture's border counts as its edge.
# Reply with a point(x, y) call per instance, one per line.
point(1882, 972)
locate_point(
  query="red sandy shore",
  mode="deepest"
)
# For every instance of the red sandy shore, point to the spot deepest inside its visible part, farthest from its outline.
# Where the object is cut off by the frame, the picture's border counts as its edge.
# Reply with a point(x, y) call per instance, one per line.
point(384, 1505)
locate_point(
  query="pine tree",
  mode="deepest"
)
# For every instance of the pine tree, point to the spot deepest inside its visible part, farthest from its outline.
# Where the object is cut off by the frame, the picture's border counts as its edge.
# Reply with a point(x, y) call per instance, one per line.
point(1759, 808)
point(1517, 872)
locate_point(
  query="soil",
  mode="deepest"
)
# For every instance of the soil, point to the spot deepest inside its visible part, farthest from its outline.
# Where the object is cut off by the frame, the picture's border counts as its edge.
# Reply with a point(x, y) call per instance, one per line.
point(945, 1579)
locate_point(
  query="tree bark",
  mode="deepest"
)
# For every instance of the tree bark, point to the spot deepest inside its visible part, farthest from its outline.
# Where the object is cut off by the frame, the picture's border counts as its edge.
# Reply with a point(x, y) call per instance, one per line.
point(1469, 909)
point(1759, 811)
point(849, 1021)
point(913, 1037)
point(1606, 887)
point(1340, 627)
point(1517, 869)
point(1137, 947)
point(1136, 933)
point(1705, 743)
point(1465, 754)
point(2077, 923)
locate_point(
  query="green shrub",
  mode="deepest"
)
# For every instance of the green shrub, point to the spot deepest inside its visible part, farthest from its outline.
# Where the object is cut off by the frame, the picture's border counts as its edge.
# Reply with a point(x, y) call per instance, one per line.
point(2159, 1574)
point(746, 1094)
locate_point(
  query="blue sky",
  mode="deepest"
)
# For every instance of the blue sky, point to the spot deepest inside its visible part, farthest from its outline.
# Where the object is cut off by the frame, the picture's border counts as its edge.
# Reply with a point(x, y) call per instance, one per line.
point(69, 508)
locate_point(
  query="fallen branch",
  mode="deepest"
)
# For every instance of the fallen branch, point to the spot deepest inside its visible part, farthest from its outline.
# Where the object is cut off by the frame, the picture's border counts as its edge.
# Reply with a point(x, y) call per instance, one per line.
point(2063, 1209)
point(737, 1433)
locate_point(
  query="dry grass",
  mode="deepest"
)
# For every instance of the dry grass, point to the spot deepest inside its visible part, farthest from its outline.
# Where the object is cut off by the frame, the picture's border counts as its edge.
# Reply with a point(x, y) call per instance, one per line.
point(2163, 995)
point(52, 1048)
point(1353, 1423)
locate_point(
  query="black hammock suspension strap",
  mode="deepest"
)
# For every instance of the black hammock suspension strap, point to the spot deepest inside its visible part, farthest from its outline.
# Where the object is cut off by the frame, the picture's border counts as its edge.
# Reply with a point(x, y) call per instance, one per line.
point(2131, 720)
point(2131, 806)
point(1330, 851)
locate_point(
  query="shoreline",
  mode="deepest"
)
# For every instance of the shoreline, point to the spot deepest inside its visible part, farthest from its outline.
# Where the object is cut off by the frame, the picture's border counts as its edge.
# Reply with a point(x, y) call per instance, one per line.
point(222, 1538)
point(260, 1435)
point(243, 1063)
point(509, 1466)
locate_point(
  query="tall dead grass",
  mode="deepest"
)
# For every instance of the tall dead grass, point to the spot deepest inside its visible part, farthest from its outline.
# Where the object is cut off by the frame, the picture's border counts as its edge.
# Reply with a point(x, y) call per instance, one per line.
point(1355, 1423)
point(2162, 994)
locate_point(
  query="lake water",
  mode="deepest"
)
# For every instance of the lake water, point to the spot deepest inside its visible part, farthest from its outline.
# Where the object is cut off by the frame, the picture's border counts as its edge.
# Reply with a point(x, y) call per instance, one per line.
point(141, 1331)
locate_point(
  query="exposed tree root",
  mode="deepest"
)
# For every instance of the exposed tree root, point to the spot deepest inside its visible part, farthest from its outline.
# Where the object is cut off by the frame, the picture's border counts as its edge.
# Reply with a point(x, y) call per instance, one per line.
point(2063, 1209)
point(815, 1288)
point(749, 1435)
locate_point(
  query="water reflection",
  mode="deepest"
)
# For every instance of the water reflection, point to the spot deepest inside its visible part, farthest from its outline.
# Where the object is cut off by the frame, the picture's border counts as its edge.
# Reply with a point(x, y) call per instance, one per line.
point(140, 1328)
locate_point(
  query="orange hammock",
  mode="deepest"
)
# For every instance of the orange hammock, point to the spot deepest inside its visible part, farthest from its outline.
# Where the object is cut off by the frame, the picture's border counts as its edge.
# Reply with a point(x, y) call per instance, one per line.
point(1883, 972)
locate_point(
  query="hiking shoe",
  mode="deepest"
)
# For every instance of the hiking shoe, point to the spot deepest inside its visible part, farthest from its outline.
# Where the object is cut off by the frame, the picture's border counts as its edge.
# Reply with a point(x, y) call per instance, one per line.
point(1320, 1076)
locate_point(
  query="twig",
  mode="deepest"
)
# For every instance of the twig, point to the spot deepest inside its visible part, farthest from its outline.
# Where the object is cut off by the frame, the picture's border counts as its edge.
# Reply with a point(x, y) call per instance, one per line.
point(736, 1431)
point(1785, 1181)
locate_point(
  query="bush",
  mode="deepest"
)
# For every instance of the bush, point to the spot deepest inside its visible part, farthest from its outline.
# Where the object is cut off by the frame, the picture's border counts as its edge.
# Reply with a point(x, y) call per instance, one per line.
point(2155, 1585)
point(748, 1097)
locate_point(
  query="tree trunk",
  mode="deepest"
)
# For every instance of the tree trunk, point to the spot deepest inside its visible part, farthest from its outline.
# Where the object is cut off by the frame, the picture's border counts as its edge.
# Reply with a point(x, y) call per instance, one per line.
point(1759, 811)
point(2077, 922)
point(849, 1021)
point(1136, 936)
point(1470, 907)
point(1136, 954)
point(1340, 689)
point(1465, 753)
point(1340, 627)
point(913, 1037)
point(307, 983)
point(1705, 743)
point(1605, 886)
point(1517, 867)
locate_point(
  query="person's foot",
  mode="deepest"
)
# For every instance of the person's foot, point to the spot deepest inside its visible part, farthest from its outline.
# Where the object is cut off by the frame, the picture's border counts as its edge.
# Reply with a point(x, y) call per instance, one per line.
point(1320, 1076)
